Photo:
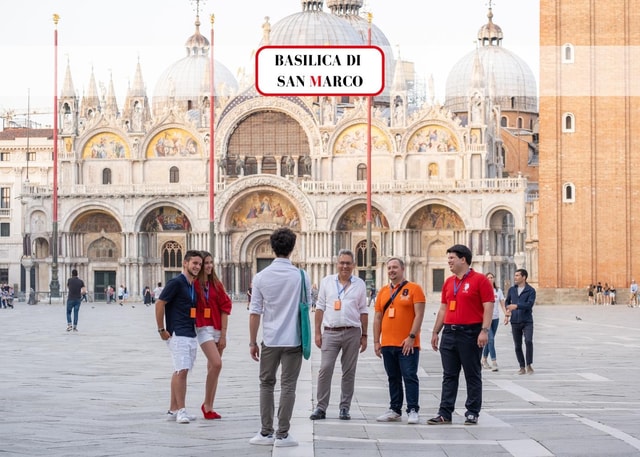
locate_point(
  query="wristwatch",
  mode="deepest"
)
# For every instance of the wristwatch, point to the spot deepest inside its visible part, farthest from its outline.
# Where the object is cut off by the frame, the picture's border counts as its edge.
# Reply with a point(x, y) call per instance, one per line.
point(160, 330)
point(485, 329)
point(412, 336)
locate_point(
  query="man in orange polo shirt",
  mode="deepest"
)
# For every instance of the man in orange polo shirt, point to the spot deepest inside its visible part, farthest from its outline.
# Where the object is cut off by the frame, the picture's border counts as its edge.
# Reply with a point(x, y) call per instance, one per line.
point(465, 313)
point(399, 311)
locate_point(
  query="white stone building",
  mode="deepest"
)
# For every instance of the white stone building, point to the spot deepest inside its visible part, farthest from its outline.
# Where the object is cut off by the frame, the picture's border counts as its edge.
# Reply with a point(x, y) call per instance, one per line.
point(133, 182)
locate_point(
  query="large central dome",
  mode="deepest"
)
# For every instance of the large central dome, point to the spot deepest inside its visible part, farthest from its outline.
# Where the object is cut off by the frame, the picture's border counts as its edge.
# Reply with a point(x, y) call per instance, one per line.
point(515, 85)
point(187, 80)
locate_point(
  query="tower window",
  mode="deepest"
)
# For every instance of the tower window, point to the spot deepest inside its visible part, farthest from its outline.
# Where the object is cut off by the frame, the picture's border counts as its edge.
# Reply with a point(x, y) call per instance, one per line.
point(568, 193)
point(567, 53)
point(504, 122)
point(568, 123)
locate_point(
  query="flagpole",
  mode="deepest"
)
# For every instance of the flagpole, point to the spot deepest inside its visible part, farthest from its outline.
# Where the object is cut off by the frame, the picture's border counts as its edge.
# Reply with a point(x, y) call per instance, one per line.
point(212, 156)
point(54, 287)
point(369, 274)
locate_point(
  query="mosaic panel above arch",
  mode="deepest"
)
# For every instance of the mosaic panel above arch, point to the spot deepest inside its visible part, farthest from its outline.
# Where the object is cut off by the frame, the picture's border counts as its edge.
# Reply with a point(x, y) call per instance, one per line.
point(96, 222)
point(262, 207)
point(435, 217)
point(353, 140)
point(173, 142)
point(106, 145)
point(356, 219)
point(166, 219)
point(433, 138)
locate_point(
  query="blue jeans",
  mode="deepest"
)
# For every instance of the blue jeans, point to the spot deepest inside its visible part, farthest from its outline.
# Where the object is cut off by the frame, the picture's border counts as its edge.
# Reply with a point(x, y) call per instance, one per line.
point(73, 305)
point(401, 368)
point(459, 350)
point(490, 348)
point(518, 331)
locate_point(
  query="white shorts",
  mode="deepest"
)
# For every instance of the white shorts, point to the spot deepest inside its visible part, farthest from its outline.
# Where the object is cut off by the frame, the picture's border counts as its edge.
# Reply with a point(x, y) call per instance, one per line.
point(208, 333)
point(183, 352)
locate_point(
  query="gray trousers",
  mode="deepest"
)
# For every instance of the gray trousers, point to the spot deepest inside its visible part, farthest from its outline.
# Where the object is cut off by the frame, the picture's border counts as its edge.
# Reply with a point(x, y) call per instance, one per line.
point(347, 341)
point(270, 359)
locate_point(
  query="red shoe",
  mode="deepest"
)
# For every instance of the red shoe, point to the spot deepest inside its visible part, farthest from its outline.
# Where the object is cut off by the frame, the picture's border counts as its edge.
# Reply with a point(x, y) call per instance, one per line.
point(210, 414)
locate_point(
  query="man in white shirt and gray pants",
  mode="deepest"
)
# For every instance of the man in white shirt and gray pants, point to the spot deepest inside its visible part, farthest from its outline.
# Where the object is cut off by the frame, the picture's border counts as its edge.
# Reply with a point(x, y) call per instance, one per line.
point(276, 297)
point(341, 322)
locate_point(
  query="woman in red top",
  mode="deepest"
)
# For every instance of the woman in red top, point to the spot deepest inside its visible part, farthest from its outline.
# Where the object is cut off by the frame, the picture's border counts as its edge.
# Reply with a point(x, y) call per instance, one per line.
point(213, 309)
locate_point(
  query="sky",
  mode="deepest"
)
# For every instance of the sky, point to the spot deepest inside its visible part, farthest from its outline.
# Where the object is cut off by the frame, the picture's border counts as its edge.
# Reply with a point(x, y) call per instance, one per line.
point(110, 37)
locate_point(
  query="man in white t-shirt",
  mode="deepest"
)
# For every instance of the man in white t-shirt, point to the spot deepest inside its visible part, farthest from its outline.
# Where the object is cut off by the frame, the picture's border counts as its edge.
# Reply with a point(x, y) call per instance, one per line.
point(633, 290)
point(275, 299)
point(156, 292)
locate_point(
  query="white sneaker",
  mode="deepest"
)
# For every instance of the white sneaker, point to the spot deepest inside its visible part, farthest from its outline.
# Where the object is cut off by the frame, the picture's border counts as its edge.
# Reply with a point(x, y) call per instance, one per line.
point(389, 416)
point(183, 418)
point(262, 440)
point(414, 417)
point(172, 416)
point(286, 441)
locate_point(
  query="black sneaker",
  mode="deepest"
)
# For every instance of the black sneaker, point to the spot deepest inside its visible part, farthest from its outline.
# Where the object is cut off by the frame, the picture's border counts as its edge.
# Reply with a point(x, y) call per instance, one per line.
point(318, 414)
point(344, 414)
point(471, 419)
point(438, 420)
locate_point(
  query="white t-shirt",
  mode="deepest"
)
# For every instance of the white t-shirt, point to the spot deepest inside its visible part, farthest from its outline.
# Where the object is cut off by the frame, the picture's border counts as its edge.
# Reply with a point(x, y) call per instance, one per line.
point(499, 297)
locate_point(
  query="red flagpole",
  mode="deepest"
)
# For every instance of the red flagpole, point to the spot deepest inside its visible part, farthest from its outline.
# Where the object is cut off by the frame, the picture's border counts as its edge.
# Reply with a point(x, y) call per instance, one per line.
point(54, 286)
point(212, 156)
point(368, 274)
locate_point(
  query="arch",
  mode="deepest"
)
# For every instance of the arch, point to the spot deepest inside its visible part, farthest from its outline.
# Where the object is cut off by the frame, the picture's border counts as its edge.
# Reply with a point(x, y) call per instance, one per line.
point(354, 217)
point(433, 138)
point(106, 145)
point(103, 249)
point(353, 140)
point(41, 248)
point(173, 142)
point(504, 121)
point(165, 219)
point(172, 255)
point(95, 221)
point(264, 207)
point(435, 216)
point(361, 254)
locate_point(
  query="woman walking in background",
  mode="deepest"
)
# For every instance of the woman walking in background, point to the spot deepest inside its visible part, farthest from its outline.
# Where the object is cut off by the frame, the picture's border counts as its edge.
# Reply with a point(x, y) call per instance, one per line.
point(490, 348)
point(212, 313)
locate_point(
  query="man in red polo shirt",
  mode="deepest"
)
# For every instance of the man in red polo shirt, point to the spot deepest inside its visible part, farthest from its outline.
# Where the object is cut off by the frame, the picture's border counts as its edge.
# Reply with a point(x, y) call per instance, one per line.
point(465, 314)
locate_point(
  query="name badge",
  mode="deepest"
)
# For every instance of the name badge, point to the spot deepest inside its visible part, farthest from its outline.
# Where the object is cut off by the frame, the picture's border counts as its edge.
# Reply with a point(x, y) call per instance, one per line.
point(392, 312)
point(193, 313)
point(452, 305)
point(207, 313)
point(337, 305)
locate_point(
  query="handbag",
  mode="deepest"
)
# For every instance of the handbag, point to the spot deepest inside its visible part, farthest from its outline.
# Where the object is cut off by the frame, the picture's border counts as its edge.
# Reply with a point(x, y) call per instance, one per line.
point(305, 322)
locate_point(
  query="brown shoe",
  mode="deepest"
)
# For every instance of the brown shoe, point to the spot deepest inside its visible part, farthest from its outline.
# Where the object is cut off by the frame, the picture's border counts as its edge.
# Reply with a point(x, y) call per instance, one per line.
point(522, 371)
point(529, 369)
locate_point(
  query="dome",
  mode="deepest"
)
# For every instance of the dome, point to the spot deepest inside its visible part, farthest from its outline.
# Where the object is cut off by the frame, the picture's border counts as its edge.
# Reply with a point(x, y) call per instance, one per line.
point(514, 85)
point(187, 80)
point(313, 27)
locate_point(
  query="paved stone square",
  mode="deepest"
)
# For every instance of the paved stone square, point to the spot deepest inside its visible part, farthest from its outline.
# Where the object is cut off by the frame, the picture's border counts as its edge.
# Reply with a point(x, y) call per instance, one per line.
point(103, 391)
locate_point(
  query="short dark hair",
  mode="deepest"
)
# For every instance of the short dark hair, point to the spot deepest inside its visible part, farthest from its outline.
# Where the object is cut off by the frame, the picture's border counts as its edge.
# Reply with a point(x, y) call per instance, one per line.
point(523, 272)
point(461, 251)
point(283, 240)
point(192, 253)
point(348, 252)
point(397, 259)
point(74, 272)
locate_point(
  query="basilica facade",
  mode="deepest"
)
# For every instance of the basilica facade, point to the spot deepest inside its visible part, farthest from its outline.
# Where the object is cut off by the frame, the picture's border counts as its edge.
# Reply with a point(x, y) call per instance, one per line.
point(134, 181)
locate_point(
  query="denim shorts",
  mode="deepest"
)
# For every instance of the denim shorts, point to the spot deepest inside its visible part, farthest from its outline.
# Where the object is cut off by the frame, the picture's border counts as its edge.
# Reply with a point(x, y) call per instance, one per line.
point(183, 352)
point(207, 333)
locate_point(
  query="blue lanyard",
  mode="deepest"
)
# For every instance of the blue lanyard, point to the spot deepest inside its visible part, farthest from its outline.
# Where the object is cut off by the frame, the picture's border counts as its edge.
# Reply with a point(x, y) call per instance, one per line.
point(192, 291)
point(456, 288)
point(343, 289)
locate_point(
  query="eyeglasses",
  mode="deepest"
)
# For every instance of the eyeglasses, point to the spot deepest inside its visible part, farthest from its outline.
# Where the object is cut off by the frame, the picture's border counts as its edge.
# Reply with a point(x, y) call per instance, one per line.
point(345, 264)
